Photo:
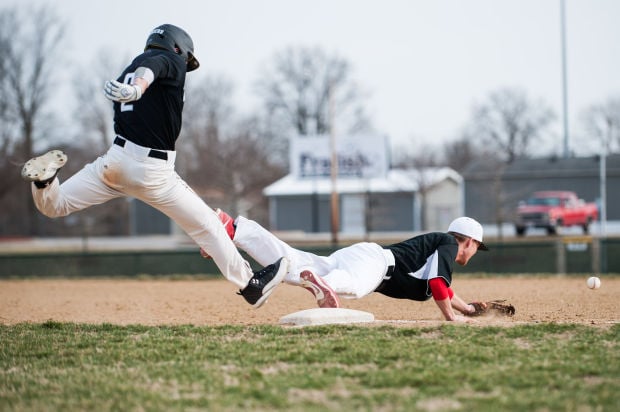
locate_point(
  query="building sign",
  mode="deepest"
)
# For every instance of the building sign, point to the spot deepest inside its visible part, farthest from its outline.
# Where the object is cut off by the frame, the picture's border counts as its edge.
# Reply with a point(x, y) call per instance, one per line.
point(360, 156)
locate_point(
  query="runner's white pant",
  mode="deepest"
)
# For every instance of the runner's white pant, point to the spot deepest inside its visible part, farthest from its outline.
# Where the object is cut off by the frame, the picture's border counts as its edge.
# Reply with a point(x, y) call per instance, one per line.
point(128, 171)
point(352, 272)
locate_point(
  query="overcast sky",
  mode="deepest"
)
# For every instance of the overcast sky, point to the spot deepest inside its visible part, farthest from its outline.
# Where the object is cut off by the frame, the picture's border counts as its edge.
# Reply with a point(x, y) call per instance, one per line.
point(422, 62)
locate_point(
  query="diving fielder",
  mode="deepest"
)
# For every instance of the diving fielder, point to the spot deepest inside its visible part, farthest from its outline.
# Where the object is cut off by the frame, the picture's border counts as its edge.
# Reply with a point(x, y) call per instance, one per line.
point(418, 269)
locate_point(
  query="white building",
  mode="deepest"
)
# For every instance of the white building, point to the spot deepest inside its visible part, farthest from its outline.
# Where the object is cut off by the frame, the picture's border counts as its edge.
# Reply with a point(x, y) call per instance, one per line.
point(371, 198)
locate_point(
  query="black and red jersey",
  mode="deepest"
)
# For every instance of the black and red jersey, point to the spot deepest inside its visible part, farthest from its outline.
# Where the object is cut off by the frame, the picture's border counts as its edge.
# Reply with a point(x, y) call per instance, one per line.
point(418, 260)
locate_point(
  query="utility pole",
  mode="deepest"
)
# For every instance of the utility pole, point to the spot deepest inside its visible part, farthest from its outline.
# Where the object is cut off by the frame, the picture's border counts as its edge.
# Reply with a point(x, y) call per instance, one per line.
point(335, 207)
point(564, 75)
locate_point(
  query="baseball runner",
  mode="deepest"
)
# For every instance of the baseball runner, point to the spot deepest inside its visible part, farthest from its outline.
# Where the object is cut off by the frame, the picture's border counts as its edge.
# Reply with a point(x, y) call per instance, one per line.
point(418, 268)
point(148, 100)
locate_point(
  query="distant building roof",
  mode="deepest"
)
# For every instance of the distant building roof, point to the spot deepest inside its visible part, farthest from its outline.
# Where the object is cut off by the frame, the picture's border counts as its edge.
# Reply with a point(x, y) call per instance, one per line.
point(543, 167)
point(395, 181)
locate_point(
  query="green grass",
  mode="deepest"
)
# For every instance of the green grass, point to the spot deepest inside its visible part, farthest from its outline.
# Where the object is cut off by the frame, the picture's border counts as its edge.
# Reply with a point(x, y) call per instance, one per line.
point(546, 367)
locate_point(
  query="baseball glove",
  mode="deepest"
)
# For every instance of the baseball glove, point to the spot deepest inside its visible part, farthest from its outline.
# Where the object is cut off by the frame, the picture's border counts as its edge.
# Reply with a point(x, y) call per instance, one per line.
point(498, 307)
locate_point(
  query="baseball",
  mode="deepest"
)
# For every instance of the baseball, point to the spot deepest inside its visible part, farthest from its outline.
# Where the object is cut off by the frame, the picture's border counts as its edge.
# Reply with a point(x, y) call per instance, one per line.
point(593, 282)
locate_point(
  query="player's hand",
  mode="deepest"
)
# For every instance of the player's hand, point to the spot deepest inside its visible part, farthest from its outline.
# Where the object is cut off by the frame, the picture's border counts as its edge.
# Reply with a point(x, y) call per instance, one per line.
point(120, 92)
point(463, 319)
point(476, 308)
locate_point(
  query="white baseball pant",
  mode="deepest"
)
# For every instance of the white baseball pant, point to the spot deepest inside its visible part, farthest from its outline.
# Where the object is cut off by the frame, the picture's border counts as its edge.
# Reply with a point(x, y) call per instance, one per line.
point(352, 272)
point(128, 171)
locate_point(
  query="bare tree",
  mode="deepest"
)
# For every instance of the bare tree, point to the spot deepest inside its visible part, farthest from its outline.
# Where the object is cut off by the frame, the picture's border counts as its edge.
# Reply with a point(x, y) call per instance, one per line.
point(459, 153)
point(603, 122)
point(296, 89)
point(510, 122)
point(423, 161)
point(250, 169)
point(34, 38)
point(7, 115)
point(223, 154)
point(94, 113)
point(207, 117)
point(29, 43)
point(502, 129)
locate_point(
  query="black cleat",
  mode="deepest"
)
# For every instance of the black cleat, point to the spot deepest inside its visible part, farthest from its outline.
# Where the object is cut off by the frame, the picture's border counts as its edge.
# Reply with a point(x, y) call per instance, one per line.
point(264, 282)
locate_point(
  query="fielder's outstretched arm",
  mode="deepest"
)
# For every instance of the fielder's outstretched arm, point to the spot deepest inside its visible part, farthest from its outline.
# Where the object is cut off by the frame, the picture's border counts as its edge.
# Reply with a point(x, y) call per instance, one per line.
point(443, 296)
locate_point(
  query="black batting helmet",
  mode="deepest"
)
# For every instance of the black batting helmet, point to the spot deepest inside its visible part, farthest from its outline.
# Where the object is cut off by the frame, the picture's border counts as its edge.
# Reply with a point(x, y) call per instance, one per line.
point(175, 39)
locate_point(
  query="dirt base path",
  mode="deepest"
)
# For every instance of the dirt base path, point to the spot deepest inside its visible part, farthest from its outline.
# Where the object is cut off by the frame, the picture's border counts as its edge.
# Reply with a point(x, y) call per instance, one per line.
point(214, 302)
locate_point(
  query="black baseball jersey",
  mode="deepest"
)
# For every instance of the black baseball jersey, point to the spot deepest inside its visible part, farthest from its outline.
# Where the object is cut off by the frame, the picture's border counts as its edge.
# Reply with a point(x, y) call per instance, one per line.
point(155, 120)
point(418, 260)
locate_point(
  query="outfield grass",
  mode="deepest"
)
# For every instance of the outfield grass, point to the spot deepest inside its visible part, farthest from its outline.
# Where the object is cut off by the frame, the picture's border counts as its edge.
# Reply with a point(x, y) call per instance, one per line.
point(544, 367)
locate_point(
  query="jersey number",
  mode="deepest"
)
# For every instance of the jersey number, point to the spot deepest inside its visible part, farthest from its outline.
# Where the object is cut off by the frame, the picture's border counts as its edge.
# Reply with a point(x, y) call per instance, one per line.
point(127, 107)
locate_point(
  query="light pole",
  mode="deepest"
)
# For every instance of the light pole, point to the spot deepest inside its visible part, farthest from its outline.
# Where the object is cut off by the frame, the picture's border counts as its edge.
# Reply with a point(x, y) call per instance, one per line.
point(603, 189)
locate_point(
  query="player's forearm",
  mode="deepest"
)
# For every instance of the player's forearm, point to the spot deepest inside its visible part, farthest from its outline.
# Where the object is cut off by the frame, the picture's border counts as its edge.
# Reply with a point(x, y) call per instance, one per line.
point(460, 305)
point(142, 83)
point(445, 306)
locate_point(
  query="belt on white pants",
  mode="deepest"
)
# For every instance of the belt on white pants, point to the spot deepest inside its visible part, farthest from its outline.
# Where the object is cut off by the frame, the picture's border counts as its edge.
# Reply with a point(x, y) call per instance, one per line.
point(140, 151)
point(389, 259)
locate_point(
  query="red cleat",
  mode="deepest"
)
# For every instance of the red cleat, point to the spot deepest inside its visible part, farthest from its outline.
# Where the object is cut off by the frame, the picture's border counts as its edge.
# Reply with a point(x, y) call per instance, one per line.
point(229, 225)
point(325, 296)
point(227, 221)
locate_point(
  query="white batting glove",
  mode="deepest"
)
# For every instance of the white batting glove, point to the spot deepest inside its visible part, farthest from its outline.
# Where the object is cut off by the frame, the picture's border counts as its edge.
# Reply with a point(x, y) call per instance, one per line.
point(120, 92)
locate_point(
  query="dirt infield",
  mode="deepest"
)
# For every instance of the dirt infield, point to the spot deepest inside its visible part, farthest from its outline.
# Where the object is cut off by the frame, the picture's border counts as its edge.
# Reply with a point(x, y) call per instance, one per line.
point(214, 302)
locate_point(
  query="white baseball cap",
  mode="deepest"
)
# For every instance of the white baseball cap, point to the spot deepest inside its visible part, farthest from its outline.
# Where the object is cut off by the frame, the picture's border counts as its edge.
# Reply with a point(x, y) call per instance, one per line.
point(469, 227)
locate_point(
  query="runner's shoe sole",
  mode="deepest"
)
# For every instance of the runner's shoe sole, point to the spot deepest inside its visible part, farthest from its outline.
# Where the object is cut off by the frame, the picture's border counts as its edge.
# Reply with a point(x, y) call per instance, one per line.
point(44, 167)
point(325, 296)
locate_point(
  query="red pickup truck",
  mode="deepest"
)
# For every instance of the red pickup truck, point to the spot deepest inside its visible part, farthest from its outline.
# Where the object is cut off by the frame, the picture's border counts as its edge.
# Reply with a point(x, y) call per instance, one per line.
point(554, 209)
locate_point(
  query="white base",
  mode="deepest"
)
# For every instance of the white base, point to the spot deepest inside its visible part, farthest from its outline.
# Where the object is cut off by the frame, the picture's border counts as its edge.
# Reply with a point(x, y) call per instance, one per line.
point(326, 316)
